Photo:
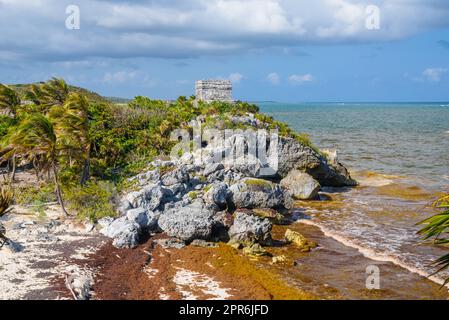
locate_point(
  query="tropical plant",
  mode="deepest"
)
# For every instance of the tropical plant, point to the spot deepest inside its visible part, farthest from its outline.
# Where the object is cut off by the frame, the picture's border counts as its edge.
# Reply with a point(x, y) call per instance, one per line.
point(9, 100)
point(34, 137)
point(437, 228)
point(46, 95)
point(72, 128)
point(6, 200)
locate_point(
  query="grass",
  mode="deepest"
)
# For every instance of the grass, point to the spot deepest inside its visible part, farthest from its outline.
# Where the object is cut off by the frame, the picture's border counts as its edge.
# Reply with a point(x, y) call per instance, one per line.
point(258, 183)
point(93, 201)
point(193, 195)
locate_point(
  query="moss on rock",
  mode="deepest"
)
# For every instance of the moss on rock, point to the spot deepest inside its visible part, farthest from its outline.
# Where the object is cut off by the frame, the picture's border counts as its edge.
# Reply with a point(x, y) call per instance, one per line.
point(300, 241)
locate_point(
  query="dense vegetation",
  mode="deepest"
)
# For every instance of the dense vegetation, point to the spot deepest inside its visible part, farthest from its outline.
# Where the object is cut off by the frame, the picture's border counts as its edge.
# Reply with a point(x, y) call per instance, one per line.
point(82, 147)
point(437, 228)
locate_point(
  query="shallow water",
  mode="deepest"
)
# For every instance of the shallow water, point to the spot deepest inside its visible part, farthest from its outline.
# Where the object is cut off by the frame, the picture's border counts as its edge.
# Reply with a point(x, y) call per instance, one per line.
point(400, 155)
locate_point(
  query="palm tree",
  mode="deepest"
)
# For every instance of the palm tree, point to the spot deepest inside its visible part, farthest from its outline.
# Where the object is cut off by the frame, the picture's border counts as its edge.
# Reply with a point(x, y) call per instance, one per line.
point(46, 95)
point(55, 92)
point(72, 126)
point(35, 136)
point(437, 228)
point(10, 103)
point(9, 100)
point(34, 94)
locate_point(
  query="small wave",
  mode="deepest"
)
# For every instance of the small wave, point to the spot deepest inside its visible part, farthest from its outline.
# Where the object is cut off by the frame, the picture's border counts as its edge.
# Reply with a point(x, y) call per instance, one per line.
point(372, 254)
point(374, 179)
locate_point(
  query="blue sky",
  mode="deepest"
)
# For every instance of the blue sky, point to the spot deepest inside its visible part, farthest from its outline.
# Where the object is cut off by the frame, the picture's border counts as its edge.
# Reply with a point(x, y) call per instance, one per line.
point(282, 50)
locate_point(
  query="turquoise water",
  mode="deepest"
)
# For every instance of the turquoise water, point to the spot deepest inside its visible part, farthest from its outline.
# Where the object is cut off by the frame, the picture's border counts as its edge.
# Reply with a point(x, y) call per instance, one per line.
point(397, 139)
point(399, 153)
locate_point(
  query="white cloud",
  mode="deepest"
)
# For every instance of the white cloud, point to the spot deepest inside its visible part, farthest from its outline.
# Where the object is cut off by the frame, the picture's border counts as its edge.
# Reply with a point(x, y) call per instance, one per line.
point(236, 78)
point(274, 78)
point(119, 76)
point(434, 74)
point(191, 28)
point(301, 79)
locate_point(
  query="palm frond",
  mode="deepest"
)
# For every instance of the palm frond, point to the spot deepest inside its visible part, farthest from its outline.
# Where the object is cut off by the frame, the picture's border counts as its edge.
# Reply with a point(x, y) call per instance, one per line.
point(437, 228)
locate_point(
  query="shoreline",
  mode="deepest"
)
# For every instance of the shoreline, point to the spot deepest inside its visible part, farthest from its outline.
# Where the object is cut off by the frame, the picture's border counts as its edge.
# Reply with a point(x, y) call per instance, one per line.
point(372, 254)
point(150, 272)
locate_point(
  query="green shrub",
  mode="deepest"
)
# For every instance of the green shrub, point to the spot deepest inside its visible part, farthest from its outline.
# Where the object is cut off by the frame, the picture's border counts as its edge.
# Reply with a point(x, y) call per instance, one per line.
point(93, 201)
point(35, 194)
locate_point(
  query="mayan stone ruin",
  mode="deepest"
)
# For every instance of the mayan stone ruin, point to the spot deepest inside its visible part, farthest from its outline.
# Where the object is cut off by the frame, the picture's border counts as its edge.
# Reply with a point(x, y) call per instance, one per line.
point(214, 90)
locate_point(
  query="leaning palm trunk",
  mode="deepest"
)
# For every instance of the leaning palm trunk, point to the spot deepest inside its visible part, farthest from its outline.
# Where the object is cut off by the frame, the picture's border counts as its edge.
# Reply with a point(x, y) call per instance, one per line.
point(13, 171)
point(85, 176)
point(58, 188)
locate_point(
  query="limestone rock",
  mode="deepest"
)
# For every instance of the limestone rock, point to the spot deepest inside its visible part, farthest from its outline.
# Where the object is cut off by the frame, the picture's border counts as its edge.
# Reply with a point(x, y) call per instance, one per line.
point(294, 155)
point(219, 194)
point(171, 243)
point(126, 234)
point(203, 244)
point(255, 250)
point(301, 185)
point(300, 241)
point(150, 197)
point(212, 168)
point(282, 260)
point(249, 229)
point(257, 193)
point(147, 220)
point(177, 176)
point(188, 223)
point(274, 216)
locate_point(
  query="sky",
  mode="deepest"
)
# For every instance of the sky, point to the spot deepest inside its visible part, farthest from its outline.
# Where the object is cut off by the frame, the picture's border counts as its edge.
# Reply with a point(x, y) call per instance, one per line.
point(272, 50)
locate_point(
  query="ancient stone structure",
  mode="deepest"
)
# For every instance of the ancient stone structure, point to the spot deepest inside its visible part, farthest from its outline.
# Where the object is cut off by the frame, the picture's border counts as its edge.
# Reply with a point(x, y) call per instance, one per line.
point(214, 90)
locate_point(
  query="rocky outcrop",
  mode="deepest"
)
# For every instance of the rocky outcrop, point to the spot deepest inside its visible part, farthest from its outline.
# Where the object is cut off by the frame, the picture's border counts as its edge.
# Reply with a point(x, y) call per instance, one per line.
point(301, 185)
point(257, 193)
point(294, 155)
point(249, 229)
point(193, 198)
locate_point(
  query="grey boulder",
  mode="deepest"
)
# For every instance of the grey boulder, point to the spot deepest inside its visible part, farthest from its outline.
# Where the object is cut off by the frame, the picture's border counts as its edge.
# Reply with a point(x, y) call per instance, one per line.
point(212, 168)
point(177, 176)
point(294, 155)
point(257, 193)
point(147, 220)
point(194, 221)
point(126, 234)
point(248, 229)
point(150, 197)
point(301, 185)
point(219, 194)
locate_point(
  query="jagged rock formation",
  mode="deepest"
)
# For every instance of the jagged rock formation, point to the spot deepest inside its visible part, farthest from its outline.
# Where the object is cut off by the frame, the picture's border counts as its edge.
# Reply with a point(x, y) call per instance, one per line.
point(197, 198)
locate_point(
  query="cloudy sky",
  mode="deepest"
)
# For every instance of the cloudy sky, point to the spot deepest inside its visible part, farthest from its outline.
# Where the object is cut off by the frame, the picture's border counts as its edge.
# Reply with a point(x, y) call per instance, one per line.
point(283, 50)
